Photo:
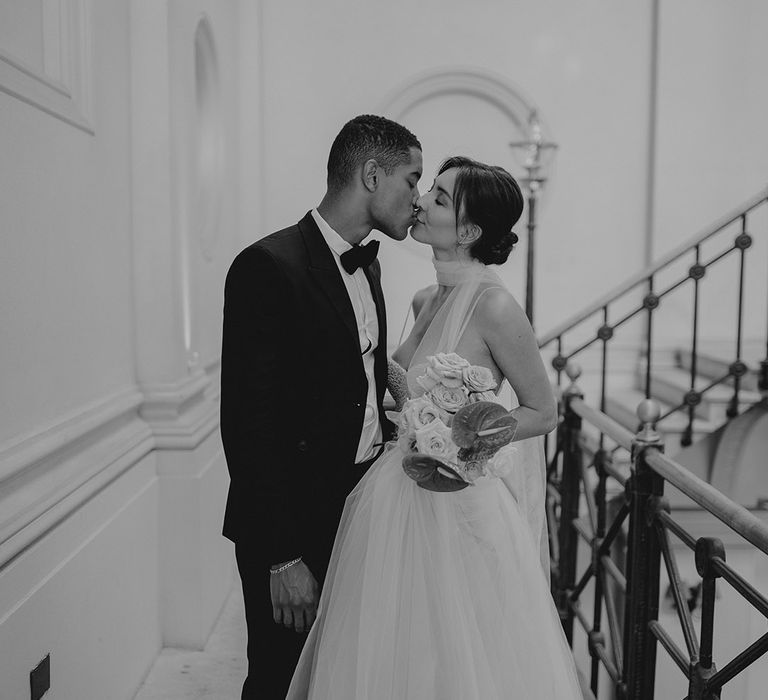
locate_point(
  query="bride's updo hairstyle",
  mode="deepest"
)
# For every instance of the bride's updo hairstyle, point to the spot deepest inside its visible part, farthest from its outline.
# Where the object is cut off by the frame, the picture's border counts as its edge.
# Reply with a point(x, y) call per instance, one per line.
point(489, 197)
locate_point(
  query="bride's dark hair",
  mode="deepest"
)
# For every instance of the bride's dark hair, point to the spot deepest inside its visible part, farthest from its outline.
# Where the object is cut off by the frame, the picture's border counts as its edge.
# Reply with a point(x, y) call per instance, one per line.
point(489, 197)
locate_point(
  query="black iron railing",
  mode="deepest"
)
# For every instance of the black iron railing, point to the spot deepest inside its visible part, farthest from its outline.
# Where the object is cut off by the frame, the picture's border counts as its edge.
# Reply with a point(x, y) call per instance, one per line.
point(629, 541)
point(642, 294)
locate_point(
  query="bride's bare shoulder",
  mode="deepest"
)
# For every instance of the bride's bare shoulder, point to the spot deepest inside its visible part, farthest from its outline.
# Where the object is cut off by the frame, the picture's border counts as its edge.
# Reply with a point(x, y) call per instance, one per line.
point(498, 306)
point(422, 297)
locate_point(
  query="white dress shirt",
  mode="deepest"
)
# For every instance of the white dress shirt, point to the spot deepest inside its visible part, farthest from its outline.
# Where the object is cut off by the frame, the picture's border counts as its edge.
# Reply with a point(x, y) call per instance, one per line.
point(360, 295)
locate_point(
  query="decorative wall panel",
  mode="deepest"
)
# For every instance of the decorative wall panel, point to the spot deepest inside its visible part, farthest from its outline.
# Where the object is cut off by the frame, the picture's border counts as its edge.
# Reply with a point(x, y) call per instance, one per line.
point(45, 57)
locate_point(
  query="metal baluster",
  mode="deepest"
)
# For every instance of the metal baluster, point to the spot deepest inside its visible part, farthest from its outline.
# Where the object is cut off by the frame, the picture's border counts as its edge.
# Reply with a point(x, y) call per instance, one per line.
point(605, 333)
point(762, 383)
point(569, 502)
point(650, 302)
point(643, 563)
point(738, 368)
point(558, 361)
point(693, 398)
point(706, 549)
point(596, 636)
point(559, 364)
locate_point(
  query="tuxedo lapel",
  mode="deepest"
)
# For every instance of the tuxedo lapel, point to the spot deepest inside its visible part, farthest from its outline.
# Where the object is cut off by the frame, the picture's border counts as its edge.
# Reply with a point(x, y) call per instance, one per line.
point(322, 267)
point(373, 274)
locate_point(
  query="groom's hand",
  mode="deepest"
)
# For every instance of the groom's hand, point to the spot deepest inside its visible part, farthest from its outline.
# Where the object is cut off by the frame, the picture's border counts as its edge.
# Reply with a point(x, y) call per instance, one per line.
point(295, 595)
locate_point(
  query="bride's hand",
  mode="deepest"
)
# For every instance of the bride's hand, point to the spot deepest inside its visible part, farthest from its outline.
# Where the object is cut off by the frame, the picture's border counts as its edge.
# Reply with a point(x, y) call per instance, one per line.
point(295, 595)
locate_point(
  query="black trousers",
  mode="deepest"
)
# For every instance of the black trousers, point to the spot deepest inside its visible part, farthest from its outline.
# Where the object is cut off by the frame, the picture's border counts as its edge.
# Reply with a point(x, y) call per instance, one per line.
point(274, 650)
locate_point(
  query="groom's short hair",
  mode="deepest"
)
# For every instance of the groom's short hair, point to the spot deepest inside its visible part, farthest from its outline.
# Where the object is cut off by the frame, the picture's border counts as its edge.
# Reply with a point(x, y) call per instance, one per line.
point(363, 138)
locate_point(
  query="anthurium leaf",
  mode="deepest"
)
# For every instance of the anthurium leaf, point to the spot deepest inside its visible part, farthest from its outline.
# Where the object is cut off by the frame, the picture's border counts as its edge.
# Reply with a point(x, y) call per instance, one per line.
point(426, 472)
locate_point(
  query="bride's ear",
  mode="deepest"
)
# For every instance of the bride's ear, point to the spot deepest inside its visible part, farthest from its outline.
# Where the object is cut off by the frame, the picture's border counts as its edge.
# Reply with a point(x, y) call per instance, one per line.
point(370, 175)
point(469, 233)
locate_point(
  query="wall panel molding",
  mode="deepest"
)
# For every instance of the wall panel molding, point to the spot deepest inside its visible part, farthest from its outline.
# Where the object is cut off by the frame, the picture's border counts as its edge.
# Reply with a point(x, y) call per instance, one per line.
point(181, 415)
point(63, 88)
point(46, 475)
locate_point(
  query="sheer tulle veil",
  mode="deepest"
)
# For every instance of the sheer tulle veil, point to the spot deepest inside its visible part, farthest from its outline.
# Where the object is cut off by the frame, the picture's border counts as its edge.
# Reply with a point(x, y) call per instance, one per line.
point(439, 596)
point(527, 481)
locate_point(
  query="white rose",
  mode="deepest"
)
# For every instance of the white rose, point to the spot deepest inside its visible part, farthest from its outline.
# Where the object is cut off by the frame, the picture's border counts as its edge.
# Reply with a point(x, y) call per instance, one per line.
point(426, 382)
point(420, 412)
point(448, 398)
point(447, 369)
point(448, 361)
point(478, 378)
point(435, 441)
point(476, 396)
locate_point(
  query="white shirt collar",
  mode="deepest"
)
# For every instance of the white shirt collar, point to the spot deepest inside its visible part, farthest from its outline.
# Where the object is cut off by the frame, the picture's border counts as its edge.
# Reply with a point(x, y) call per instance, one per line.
point(335, 242)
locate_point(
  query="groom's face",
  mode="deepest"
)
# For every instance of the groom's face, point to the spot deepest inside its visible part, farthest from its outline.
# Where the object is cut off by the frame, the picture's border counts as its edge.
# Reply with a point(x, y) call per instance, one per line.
point(396, 194)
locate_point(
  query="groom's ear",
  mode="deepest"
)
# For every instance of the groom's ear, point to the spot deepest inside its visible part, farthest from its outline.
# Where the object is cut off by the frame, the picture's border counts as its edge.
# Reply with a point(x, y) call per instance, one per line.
point(469, 233)
point(370, 175)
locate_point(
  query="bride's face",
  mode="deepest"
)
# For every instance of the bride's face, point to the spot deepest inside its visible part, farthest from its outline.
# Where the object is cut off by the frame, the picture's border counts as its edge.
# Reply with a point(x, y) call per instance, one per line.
point(436, 218)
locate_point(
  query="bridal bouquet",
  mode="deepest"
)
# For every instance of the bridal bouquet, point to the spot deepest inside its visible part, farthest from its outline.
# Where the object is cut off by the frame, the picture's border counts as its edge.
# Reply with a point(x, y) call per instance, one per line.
point(452, 432)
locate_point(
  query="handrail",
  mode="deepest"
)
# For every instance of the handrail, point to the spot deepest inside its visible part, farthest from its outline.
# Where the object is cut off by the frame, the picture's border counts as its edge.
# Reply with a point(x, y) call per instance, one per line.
point(617, 432)
point(654, 267)
point(628, 539)
point(735, 516)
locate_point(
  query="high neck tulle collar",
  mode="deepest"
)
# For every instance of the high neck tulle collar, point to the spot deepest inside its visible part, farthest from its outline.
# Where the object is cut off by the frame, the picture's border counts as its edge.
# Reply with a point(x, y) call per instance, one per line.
point(451, 273)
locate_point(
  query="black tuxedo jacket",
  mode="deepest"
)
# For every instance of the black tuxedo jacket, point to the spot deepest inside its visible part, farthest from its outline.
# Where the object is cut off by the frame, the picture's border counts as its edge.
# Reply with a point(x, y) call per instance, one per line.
point(293, 388)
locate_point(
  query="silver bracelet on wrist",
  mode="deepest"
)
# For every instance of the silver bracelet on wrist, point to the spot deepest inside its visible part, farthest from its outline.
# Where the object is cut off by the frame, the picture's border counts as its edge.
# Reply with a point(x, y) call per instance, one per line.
point(282, 568)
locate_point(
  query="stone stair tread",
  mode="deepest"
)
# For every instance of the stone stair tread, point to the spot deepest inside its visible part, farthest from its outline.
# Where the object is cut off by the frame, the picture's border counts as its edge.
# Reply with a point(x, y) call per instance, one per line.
point(719, 393)
point(751, 352)
point(713, 365)
point(622, 405)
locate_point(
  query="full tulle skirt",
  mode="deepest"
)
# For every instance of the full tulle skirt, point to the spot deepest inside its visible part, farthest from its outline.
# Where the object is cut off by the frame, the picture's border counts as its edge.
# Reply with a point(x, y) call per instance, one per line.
point(434, 596)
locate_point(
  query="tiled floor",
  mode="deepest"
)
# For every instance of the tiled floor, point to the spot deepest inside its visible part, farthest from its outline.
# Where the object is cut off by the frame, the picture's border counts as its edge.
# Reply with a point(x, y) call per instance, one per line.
point(216, 673)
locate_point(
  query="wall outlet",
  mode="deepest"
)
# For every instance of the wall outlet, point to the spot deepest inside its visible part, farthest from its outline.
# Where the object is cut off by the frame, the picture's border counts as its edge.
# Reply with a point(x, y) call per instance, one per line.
point(40, 678)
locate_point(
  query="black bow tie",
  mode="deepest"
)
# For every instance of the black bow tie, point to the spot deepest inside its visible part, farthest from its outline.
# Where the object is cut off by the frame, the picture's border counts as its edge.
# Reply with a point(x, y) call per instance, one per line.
point(359, 256)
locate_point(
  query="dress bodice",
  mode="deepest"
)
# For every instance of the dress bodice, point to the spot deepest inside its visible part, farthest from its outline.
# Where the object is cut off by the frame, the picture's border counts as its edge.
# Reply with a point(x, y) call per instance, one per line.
point(448, 333)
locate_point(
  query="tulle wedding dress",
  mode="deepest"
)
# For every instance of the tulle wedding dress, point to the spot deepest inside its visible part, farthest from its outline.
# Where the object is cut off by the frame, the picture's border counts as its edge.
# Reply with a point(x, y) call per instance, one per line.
point(440, 596)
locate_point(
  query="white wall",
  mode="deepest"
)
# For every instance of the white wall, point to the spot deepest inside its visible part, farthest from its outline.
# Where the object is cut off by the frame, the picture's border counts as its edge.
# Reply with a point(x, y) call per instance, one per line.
point(585, 65)
point(112, 477)
point(712, 153)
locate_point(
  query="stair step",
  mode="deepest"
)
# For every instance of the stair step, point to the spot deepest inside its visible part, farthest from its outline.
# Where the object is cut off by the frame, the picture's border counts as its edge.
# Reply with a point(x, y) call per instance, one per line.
point(670, 386)
point(622, 407)
point(712, 367)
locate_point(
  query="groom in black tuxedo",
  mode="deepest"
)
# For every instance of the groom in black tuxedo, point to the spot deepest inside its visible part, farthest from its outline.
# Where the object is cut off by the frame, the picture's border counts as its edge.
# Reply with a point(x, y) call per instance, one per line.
point(303, 375)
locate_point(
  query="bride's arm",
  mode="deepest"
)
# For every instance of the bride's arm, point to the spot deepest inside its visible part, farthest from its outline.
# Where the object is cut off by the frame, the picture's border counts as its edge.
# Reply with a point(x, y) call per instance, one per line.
point(509, 336)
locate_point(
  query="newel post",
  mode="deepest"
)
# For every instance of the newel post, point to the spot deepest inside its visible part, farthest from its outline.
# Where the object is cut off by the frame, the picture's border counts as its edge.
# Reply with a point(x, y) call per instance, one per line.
point(644, 487)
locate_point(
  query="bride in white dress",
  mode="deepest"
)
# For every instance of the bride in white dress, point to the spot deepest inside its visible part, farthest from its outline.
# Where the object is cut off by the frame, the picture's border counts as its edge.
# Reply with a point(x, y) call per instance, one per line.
point(444, 595)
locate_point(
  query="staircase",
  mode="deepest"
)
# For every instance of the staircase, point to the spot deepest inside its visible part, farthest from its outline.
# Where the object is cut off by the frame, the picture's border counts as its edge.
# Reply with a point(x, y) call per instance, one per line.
point(644, 494)
point(669, 385)
point(712, 394)
point(730, 452)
